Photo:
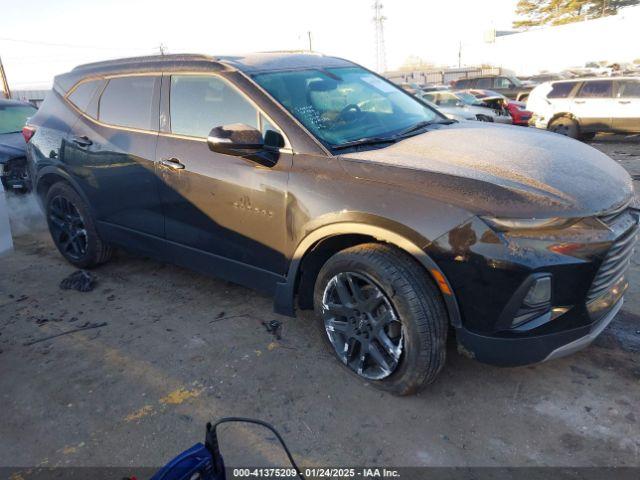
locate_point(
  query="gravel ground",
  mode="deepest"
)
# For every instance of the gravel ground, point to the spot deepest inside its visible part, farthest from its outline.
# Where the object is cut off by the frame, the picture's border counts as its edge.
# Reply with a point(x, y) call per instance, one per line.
point(180, 349)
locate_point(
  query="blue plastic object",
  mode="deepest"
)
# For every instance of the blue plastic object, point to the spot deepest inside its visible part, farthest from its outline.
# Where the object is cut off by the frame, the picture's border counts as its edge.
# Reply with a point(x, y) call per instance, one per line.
point(196, 463)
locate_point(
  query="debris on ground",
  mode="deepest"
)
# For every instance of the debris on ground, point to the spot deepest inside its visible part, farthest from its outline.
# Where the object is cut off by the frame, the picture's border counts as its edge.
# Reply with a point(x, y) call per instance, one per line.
point(86, 326)
point(274, 327)
point(80, 280)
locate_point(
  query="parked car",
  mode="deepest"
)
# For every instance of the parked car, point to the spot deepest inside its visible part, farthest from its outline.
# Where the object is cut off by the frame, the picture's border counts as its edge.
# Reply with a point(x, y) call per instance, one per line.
point(517, 110)
point(324, 185)
point(13, 162)
point(456, 107)
point(580, 108)
point(508, 86)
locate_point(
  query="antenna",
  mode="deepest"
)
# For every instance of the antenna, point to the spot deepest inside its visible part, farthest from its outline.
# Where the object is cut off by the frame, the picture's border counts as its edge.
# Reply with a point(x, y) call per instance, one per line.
point(378, 20)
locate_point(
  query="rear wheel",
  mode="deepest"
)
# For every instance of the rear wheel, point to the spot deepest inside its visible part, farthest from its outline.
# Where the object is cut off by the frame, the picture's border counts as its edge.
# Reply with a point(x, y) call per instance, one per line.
point(382, 317)
point(586, 137)
point(565, 126)
point(72, 228)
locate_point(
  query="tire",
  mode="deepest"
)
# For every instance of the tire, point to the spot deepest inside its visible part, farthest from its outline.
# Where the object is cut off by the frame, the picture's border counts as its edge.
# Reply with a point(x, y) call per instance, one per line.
point(565, 126)
point(72, 228)
point(417, 321)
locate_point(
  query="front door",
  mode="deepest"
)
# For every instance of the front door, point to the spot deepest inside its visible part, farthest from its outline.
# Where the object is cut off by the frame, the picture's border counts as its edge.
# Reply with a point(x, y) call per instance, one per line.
point(224, 206)
point(626, 107)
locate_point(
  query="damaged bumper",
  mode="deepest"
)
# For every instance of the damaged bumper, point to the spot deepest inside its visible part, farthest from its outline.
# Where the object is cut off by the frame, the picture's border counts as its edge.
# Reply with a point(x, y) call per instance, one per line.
point(14, 175)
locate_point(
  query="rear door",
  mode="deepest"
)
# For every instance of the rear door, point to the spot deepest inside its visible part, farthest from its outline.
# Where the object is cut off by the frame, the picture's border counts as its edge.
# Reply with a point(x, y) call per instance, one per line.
point(592, 105)
point(626, 106)
point(111, 152)
point(226, 206)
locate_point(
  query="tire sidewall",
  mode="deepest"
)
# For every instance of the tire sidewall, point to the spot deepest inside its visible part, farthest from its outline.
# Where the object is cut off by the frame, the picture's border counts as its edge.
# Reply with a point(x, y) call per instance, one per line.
point(406, 372)
point(573, 130)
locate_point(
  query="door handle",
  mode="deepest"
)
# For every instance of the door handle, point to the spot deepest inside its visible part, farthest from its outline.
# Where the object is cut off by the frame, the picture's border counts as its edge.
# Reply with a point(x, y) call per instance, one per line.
point(624, 101)
point(172, 163)
point(579, 101)
point(82, 141)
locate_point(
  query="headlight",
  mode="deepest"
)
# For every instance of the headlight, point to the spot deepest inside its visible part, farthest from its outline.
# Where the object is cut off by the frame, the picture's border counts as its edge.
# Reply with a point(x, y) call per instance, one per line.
point(505, 224)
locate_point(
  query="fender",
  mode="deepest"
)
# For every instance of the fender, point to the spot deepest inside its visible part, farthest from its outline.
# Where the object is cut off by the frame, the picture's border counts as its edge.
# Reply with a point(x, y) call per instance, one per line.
point(284, 302)
point(59, 172)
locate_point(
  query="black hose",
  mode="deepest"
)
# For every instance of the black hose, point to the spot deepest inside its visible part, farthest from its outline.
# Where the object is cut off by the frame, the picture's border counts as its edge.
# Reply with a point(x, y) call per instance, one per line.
point(211, 429)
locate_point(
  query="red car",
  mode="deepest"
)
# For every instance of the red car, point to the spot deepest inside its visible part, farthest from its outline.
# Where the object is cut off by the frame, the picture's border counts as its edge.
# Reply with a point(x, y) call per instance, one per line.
point(519, 114)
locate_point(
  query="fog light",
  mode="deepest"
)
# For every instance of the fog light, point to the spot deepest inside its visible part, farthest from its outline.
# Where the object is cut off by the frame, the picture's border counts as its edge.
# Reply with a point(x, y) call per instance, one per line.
point(539, 293)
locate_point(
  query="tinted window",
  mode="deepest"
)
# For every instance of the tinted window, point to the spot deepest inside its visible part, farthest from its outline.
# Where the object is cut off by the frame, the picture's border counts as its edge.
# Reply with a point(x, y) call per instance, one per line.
point(128, 102)
point(561, 90)
point(464, 83)
point(484, 83)
point(199, 104)
point(630, 89)
point(83, 96)
point(596, 89)
point(503, 82)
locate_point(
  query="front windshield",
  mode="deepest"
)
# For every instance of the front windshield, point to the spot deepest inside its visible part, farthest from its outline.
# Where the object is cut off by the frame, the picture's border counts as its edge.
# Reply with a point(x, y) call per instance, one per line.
point(13, 117)
point(342, 105)
point(467, 98)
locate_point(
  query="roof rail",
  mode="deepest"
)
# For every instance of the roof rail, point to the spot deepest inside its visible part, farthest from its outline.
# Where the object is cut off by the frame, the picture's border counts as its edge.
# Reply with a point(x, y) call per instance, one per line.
point(179, 57)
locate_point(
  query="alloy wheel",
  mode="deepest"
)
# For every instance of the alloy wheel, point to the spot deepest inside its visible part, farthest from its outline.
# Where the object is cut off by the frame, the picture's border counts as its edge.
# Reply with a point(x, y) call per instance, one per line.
point(68, 228)
point(362, 325)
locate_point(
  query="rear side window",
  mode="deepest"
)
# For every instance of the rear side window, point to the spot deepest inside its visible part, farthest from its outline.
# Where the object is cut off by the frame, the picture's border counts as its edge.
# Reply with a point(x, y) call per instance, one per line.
point(464, 83)
point(596, 89)
point(561, 90)
point(200, 103)
point(84, 96)
point(484, 83)
point(129, 102)
point(630, 89)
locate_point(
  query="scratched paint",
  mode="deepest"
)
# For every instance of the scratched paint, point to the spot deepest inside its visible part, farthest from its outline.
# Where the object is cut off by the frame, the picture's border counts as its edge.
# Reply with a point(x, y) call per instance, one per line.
point(139, 414)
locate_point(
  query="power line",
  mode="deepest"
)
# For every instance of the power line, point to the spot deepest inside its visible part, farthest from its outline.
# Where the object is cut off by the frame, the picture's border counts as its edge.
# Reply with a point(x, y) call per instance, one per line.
point(67, 45)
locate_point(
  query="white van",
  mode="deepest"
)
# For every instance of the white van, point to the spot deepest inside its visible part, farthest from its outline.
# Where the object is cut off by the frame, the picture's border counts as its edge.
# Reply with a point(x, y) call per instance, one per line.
point(580, 108)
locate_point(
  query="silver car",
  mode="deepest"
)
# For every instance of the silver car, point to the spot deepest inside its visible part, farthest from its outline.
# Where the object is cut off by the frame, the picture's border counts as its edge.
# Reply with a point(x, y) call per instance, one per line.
point(460, 107)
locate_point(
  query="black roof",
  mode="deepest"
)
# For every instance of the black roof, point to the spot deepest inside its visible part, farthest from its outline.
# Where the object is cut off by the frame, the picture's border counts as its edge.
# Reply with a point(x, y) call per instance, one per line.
point(251, 64)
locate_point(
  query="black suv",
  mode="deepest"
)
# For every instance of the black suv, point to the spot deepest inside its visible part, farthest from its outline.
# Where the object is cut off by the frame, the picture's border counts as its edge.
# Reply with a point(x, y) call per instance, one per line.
point(317, 181)
point(510, 87)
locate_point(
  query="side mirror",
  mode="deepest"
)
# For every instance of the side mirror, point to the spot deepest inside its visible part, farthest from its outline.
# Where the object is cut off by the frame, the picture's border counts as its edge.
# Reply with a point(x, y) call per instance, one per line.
point(236, 139)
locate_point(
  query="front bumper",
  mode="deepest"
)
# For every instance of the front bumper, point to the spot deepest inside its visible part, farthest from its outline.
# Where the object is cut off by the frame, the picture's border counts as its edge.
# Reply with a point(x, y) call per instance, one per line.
point(514, 352)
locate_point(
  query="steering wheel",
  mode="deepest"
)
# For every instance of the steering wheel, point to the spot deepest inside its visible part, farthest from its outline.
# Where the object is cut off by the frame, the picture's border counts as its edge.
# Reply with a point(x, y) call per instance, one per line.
point(349, 113)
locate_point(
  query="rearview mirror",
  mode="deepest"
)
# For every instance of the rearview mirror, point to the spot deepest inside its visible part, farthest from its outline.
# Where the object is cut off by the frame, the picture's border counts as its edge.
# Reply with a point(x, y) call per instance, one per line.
point(236, 139)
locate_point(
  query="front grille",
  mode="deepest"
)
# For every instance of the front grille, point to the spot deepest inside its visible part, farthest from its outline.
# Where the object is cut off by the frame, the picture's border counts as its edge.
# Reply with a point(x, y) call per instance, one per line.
point(615, 264)
point(610, 217)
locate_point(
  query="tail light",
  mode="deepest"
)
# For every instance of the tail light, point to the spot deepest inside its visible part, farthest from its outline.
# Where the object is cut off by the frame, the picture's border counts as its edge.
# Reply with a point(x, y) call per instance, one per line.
point(28, 132)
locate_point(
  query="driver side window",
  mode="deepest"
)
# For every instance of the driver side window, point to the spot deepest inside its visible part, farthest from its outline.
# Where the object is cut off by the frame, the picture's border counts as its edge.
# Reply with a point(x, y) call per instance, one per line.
point(199, 103)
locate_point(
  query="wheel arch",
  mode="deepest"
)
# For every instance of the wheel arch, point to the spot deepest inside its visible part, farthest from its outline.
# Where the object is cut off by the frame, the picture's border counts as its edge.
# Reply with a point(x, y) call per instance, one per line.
point(48, 176)
point(320, 244)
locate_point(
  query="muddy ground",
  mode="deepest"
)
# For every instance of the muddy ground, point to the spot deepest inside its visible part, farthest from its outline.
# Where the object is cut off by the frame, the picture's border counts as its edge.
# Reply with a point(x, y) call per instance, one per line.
point(180, 349)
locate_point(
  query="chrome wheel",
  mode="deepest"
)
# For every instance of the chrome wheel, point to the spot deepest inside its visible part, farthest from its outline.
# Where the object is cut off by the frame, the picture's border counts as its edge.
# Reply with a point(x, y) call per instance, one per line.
point(362, 325)
point(67, 228)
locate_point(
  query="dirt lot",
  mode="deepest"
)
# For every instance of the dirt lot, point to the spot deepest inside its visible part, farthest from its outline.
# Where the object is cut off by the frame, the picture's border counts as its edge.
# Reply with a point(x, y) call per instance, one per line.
point(180, 349)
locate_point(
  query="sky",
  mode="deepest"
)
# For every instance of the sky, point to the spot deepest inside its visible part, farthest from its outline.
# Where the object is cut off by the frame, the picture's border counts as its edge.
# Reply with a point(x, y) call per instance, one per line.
point(44, 37)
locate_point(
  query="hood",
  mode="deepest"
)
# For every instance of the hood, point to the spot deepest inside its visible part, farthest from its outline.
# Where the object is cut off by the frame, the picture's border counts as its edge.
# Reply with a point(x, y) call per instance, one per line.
point(12, 145)
point(499, 170)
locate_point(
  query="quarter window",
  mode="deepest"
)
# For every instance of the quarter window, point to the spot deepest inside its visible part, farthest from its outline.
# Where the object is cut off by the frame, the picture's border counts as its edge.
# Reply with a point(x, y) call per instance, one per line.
point(84, 96)
point(129, 102)
point(596, 89)
point(630, 89)
point(200, 103)
point(561, 90)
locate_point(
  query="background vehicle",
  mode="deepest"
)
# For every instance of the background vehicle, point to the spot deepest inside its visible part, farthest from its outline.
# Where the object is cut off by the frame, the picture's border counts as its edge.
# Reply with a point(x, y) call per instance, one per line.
point(518, 111)
point(13, 166)
point(269, 170)
point(453, 104)
point(580, 108)
point(508, 86)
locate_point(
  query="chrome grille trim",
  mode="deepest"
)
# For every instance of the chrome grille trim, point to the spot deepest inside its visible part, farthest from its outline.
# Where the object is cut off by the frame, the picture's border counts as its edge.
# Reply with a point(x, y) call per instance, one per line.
point(615, 263)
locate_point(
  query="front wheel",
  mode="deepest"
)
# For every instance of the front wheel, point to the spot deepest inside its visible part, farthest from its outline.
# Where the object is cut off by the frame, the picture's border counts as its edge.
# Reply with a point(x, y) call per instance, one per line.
point(565, 126)
point(382, 317)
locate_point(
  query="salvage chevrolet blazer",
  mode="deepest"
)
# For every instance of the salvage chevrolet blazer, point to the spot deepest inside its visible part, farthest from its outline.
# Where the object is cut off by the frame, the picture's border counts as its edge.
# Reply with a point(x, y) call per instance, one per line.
point(318, 182)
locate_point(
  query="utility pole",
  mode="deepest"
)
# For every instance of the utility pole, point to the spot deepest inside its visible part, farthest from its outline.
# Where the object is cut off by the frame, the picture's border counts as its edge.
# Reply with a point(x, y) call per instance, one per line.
point(378, 20)
point(460, 54)
point(162, 48)
point(310, 46)
point(5, 82)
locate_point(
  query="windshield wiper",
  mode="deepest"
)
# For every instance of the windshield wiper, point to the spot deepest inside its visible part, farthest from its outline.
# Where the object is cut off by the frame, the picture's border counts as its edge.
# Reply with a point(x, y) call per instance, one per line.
point(423, 124)
point(366, 141)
